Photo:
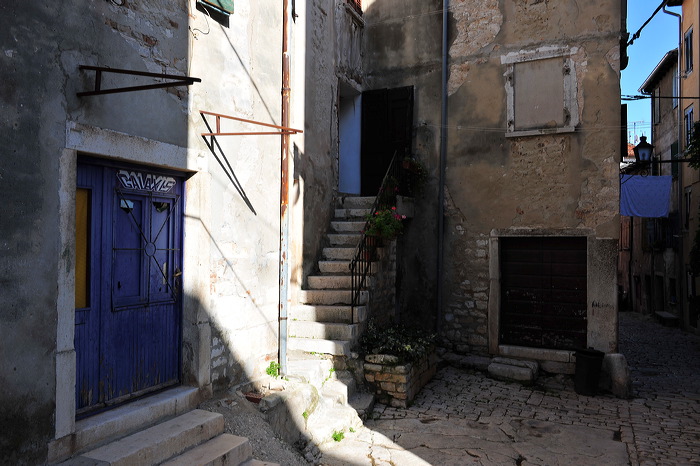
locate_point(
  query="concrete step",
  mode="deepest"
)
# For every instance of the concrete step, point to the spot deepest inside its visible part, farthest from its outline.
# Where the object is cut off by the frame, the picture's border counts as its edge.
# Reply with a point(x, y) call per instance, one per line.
point(322, 346)
point(358, 214)
point(355, 202)
point(323, 330)
point(129, 418)
point(347, 226)
point(330, 297)
point(162, 441)
point(224, 450)
point(327, 282)
point(344, 239)
point(344, 253)
point(322, 313)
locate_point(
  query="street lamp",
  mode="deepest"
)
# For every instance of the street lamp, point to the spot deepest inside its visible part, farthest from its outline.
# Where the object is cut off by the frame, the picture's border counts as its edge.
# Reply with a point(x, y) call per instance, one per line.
point(643, 151)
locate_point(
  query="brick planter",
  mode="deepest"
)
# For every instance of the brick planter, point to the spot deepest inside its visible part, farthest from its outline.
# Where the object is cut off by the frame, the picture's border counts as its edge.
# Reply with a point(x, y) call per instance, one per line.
point(398, 384)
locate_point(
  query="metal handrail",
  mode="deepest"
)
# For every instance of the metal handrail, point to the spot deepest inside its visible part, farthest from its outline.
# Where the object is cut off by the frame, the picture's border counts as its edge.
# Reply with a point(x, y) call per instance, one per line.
point(364, 252)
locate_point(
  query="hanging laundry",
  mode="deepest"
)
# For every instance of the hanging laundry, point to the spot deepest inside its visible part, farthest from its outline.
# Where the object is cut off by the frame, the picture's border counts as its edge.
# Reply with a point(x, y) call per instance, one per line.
point(645, 196)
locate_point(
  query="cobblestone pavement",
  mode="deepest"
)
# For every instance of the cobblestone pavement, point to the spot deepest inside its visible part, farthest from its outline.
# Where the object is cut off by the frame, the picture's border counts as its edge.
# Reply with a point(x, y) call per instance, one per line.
point(660, 425)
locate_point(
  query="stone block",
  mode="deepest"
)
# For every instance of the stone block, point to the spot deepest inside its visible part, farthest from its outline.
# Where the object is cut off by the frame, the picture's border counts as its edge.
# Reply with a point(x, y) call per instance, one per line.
point(508, 372)
point(382, 359)
point(532, 365)
point(615, 375)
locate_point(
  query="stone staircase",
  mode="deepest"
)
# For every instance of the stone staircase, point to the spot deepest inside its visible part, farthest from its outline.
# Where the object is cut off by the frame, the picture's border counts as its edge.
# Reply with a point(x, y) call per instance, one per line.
point(317, 402)
point(126, 436)
point(325, 322)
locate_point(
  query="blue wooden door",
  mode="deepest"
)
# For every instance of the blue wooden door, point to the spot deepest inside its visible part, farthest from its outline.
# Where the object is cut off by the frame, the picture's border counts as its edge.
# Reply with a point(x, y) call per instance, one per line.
point(127, 338)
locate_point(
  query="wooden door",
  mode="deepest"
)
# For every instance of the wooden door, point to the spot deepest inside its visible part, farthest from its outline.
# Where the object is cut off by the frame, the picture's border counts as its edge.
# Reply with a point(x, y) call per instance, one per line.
point(127, 337)
point(544, 292)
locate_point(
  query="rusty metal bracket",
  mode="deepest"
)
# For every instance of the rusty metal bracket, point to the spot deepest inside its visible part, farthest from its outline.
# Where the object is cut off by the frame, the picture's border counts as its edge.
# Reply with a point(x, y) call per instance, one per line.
point(176, 80)
point(282, 129)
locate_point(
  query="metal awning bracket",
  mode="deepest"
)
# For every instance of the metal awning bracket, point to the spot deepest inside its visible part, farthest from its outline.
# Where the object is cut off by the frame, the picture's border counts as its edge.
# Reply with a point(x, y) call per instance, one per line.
point(219, 116)
point(175, 80)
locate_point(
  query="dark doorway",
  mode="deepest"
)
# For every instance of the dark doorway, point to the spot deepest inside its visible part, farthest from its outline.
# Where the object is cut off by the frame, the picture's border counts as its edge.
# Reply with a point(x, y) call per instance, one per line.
point(543, 292)
point(387, 126)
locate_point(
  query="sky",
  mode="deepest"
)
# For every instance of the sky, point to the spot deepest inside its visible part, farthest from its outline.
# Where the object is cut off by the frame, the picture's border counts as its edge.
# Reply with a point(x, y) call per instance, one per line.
point(657, 38)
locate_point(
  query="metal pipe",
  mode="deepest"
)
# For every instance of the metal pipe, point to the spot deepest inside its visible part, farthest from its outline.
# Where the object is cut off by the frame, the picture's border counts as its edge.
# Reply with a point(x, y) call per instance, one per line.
point(284, 194)
point(443, 164)
point(681, 259)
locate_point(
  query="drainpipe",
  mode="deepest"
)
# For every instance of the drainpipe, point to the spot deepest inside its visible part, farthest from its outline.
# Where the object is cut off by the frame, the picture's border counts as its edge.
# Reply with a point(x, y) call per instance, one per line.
point(681, 259)
point(284, 193)
point(443, 163)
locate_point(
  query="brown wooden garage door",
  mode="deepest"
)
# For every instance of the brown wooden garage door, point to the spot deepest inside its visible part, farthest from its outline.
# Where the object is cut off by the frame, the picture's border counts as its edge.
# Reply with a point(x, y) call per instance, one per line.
point(543, 292)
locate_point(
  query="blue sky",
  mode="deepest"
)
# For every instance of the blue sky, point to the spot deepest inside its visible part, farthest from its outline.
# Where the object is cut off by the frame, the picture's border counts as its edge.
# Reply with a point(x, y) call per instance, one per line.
point(657, 38)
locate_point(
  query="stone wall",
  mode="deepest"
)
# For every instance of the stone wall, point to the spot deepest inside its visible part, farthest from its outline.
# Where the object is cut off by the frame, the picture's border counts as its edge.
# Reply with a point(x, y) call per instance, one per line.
point(397, 384)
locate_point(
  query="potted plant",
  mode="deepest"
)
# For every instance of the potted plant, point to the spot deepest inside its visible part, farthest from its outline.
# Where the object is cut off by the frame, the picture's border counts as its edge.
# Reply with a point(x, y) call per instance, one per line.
point(398, 361)
point(416, 176)
point(385, 223)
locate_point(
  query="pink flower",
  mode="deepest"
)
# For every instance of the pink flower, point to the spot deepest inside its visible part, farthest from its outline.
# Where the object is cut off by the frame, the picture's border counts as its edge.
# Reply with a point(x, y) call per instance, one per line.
point(393, 208)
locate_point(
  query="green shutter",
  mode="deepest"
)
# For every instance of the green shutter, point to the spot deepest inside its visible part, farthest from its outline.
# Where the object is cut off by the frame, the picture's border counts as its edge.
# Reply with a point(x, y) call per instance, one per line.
point(225, 6)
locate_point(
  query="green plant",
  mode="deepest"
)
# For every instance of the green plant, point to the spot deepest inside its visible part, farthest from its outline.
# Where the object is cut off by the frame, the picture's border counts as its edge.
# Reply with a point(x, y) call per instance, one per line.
point(352, 430)
point(416, 175)
point(273, 369)
point(338, 435)
point(385, 223)
point(407, 343)
point(305, 414)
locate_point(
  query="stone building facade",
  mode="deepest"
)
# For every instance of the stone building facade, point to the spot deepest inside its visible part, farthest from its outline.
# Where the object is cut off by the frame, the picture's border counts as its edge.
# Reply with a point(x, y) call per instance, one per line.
point(120, 215)
point(531, 152)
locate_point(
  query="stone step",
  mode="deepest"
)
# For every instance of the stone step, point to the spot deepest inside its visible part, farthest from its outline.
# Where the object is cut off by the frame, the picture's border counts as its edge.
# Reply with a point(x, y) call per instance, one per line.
point(313, 371)
point(162, 441)
point(338, 391)
point(362, 403)
point(255, 462)
point(354, 202)
point(327, 282)
point(226, 449)
point(344, 239)
point(332, 418)
point(359, 214)
point(323, 313)
point(334, 267)
point(343, 254)
point(347, 226)
point(513, 370)
point(323, 330)
point(309, 345)
point(330, 297)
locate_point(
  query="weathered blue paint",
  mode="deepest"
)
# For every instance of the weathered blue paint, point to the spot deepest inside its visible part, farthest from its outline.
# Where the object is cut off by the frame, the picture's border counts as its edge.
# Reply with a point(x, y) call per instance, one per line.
point(128, 339)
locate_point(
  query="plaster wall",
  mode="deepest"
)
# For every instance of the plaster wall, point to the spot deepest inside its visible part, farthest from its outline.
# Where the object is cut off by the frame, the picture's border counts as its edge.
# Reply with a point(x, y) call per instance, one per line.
point(541, 182)
point(231, 225)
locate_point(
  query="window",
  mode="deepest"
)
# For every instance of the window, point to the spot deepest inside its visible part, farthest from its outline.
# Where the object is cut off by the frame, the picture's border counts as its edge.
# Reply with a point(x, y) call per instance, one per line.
point(688, 197)
point(357, 5)
point(541, 92)
point(82, 248)
point(688, 120)
point(656, 106)
point(688, 50)
point(675, 88)
point(674, 155)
